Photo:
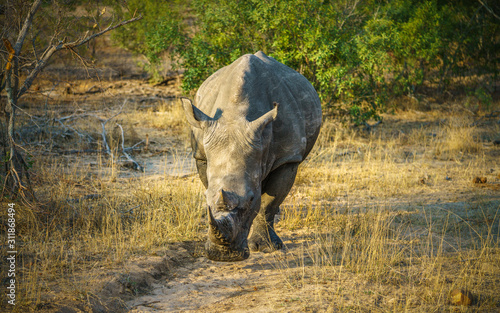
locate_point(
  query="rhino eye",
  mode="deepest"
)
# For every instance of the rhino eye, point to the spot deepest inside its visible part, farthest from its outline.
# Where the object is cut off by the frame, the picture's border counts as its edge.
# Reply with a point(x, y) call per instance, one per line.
point(251, 197)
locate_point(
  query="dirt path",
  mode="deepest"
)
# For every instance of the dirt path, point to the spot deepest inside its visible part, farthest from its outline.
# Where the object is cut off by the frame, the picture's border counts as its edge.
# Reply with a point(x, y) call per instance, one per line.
point(253, 285)
point(206, 286)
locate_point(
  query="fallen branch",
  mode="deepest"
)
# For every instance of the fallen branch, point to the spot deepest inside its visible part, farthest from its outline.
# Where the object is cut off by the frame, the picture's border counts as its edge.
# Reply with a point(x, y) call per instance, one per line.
point(136, 165)
point(346, 153)
point(93, 196)
point(74, 130)
point(95, 89)
point(79, 151)
point(103, 124)
point(104, 142)
point(158, 98)
point(369, 127)
point(72, 116)
point(493, 114)
point(134, 146)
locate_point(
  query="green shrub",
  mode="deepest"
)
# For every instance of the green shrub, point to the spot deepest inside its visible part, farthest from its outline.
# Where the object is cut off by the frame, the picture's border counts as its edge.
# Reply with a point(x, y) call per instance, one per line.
point(358, 55)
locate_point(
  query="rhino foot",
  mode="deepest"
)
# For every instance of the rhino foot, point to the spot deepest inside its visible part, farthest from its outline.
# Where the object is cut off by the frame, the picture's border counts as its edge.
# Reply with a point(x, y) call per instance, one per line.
point(265, 240)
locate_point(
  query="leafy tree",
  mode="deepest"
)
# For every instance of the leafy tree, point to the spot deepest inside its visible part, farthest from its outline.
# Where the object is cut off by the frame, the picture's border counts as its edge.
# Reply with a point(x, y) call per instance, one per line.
point(430, 42)
point(357, 54)
point(158, 15)
point(310, 36)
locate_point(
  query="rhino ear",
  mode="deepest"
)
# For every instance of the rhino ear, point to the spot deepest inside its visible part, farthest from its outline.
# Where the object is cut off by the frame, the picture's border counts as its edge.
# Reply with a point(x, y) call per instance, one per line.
point(259, 124)
point(195, 116)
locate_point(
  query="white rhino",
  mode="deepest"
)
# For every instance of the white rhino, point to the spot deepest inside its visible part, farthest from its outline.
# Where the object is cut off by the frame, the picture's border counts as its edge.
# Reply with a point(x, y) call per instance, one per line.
point(254, 121)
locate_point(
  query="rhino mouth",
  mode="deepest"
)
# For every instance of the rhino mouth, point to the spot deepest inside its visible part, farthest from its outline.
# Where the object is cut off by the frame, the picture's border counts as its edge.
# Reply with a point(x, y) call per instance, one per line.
point(216, 252)
point(224, 242)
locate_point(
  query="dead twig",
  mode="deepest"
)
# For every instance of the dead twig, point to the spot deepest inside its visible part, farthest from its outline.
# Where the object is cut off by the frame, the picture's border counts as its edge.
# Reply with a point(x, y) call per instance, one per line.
point(493, 114)
point(134, 163)
point(489, 10)
point(134, 146)
point(103, 124)
point(369, 127)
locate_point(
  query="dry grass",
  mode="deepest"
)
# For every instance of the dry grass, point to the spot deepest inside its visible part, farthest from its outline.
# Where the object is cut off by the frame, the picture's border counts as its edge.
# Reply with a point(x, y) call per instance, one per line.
point(384, 221)
point(395, 261)
point(458, 137)
point(90, 220)
point(394, 222)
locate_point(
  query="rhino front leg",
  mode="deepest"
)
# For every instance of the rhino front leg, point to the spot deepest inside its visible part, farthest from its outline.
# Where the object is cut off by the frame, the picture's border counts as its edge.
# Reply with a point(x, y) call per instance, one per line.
point(275, 188)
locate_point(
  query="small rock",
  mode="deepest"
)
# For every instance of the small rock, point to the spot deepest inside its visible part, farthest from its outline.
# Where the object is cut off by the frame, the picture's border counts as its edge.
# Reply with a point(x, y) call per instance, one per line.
point(460, 297)
point(479, 180)
point(424, 180)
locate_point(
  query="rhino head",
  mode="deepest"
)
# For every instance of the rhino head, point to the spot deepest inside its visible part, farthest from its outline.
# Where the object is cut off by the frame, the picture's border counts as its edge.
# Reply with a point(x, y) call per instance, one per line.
point(235, 151)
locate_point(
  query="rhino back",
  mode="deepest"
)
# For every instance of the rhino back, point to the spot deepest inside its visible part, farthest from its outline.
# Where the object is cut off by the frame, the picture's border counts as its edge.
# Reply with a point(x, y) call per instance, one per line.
point(248, 87)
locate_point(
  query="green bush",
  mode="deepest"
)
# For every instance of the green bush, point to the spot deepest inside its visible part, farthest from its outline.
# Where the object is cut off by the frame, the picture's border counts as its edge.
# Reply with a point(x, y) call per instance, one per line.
point(357, 54)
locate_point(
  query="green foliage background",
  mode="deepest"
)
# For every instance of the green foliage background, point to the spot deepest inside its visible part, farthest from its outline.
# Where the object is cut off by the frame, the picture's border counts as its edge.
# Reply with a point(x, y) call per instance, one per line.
point(357, 54)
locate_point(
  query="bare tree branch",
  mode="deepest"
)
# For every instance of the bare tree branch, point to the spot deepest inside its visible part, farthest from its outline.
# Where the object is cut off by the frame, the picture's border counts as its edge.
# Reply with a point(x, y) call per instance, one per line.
point(16, 170)
point(26, 26)
point(352, 10)
point(489, 10)
point(47, 54)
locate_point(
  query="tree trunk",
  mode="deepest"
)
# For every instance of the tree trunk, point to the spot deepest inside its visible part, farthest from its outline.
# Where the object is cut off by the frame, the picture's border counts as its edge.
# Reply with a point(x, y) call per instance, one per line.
point(16, 179)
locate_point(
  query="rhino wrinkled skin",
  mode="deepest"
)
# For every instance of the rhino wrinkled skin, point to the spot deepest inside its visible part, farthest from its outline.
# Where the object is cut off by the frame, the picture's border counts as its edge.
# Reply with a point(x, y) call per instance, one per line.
point(253, 122)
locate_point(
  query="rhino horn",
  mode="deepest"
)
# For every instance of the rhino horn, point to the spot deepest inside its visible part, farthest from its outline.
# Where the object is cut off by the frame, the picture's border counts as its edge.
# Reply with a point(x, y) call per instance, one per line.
point(261, 122)
point(226, 202)
point(219, 230)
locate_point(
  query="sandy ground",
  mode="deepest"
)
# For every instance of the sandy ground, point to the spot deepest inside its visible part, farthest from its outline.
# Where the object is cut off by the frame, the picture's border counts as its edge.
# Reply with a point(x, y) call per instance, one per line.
point(208, 286)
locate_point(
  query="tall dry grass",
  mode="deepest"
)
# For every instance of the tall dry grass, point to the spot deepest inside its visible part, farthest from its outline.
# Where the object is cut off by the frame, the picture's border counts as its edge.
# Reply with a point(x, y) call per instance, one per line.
point(386, 221)
point(387, 260)
point(394, 222)
point(71, 233)
point(93, 214)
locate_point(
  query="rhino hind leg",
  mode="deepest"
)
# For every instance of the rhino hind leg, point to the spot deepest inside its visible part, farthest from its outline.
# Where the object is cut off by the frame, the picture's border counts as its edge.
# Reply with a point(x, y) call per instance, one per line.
point(275, 188)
